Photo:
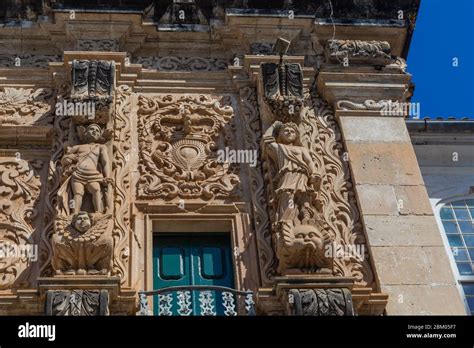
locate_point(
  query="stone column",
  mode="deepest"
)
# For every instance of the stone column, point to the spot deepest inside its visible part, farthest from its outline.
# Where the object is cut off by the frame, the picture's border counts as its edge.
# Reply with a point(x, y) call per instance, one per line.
point(409, 258)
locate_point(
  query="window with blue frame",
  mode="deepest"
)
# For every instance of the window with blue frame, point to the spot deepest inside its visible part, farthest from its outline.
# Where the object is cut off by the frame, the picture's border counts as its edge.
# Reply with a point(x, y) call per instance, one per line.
point(458, 221)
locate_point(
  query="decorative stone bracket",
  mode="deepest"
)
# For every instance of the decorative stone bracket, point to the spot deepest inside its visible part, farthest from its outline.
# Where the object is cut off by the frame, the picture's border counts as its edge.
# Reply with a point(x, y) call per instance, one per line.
point(77, 303)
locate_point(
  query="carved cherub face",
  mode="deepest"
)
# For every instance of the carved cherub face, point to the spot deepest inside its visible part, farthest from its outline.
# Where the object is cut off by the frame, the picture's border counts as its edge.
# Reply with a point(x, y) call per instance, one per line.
point(93, 133)
point(307, 236)
point(288, 134)
point(81, 221)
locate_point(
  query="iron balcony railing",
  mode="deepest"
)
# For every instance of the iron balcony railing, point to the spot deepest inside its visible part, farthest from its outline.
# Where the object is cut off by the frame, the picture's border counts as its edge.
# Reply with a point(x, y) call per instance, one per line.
point(197, 300)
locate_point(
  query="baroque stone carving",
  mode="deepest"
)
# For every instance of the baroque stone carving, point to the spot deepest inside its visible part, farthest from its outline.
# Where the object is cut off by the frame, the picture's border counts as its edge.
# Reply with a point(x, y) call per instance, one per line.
point(19, 193)
point(252, 137)
point(283, 87)
point(366, 105)
point(77, 302)
point(108, 45)
point(183, 63)
point(20, 106)
point(377, 52)
point(62, 133)
point(93, 80)
point(320, 302)
point(121, 164)
point(340, 212)
point(179, 137)
point(311, 214)
point(83, 245)
point(300, 238)
point(27, 60)
point(86, 168)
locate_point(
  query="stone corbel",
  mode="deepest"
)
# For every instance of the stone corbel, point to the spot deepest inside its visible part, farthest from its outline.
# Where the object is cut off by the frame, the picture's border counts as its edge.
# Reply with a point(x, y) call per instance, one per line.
point(93, 82)
point(315, 295)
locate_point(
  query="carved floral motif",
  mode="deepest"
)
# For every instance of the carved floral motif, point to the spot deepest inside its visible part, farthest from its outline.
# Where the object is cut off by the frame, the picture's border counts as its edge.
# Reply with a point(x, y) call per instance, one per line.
point(25, 106)
point(19, 192)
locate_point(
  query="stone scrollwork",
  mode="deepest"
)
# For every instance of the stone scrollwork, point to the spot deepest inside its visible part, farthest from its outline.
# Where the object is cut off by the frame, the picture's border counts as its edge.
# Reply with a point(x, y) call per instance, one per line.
point(19, 106)
point(252, 137)
point(340, 212)
point(183, 63)
point(366, 105)
point(179, 137)
point(19, 193)
point(320, 302)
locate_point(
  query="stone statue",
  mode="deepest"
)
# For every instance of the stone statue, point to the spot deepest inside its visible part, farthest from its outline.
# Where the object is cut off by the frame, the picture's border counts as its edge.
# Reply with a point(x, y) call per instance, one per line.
point(300, 237)
point(83, 245)
point(295, 169)
point(86, 168)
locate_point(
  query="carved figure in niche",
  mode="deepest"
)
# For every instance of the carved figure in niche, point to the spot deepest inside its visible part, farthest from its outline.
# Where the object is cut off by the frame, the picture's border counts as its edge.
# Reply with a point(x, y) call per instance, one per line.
point(300, 237)
point(86, 167)
point(83, 245)
point(296, 172)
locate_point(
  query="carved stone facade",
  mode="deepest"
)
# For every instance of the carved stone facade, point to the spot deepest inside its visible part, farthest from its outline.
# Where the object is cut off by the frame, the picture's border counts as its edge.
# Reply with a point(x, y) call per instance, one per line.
point(197, 126)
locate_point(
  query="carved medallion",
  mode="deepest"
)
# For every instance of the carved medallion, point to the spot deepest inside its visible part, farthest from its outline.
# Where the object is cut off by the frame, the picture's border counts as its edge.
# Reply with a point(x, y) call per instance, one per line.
point(179, 137)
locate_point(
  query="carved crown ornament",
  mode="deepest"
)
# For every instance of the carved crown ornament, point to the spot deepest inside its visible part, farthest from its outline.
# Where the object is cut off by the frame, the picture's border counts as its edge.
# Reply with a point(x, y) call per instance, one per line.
point(179, 137)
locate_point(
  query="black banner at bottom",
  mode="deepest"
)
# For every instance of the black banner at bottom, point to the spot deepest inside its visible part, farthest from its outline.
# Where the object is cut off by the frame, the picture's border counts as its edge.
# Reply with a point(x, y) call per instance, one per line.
point(205, 331)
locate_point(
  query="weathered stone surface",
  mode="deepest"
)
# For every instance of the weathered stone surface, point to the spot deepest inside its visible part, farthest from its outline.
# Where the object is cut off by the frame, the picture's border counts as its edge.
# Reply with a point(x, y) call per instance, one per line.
point(413, 200)
point(382, 163)
point(401, 265)
point(437, 260)
point(402, 231)
point(377, 199)
point(413, 265)
point(424, 300)
point(374, 129)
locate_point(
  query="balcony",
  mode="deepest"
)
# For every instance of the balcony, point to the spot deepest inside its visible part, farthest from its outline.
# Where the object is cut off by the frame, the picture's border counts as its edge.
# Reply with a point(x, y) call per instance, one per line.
point(197, 300)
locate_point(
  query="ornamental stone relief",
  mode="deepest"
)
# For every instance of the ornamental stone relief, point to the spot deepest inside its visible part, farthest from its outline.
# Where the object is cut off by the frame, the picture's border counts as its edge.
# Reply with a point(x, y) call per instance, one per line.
point(312, 206)
point(19, 192)
point(81, 180)
point(179, 136)
point(19, 106)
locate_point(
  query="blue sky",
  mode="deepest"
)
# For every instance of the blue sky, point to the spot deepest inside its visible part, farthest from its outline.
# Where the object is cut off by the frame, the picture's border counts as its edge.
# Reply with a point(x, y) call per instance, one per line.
point(444, 30)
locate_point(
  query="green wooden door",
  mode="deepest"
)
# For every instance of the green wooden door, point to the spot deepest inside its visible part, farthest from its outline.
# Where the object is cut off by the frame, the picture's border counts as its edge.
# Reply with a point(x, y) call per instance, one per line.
point(192, 259)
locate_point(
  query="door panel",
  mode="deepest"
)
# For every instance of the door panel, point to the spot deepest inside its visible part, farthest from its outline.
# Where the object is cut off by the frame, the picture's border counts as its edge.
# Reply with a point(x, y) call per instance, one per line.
point(193, 259)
